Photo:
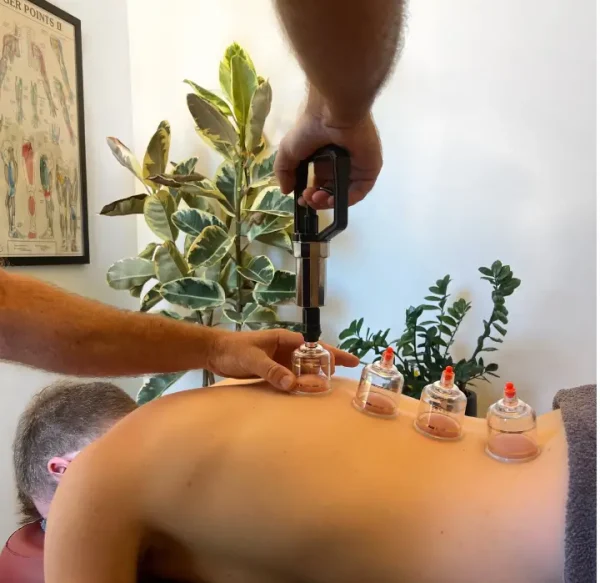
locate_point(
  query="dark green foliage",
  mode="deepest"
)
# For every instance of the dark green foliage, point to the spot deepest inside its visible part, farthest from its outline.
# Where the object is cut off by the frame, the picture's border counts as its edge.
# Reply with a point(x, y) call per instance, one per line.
point(423, 350)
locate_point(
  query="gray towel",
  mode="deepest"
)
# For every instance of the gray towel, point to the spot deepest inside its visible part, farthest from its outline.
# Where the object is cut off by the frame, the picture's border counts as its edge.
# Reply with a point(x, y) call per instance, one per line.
point(578, 409)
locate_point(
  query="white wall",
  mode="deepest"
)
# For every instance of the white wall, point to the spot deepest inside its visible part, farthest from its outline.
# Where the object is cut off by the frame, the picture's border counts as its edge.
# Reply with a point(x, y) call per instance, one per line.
point(488, 130)
point(107, 94)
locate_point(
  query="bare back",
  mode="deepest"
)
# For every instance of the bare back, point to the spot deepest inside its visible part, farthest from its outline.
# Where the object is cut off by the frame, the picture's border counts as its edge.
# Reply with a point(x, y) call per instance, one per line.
point(243, 484)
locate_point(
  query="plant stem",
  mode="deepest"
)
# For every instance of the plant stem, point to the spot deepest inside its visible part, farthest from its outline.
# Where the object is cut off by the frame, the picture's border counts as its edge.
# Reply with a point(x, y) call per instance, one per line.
point(451, 339)
point(239, 174)
point(486, 330)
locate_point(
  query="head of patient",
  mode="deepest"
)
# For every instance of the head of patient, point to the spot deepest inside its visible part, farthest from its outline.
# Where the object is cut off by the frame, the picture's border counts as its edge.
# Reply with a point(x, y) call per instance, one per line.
point(56, 425)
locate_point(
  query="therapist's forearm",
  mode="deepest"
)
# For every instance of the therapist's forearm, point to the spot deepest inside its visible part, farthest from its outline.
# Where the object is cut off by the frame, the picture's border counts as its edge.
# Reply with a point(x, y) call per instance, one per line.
point(48, 328)
point(346, 48)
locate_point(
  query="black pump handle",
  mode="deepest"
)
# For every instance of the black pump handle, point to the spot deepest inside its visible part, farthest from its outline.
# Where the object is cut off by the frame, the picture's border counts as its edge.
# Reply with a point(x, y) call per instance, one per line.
point(306, 223)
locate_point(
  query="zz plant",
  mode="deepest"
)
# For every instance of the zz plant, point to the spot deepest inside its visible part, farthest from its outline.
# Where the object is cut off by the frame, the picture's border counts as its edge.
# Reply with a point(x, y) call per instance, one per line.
point(423, 350)
point(205, 261)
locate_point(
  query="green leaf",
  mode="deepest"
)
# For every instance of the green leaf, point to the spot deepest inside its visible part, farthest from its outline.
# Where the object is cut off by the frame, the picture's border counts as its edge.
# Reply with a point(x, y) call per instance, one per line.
point(436, 290)
point(496, 267)
point(136, 291)
point(148, 251)
point(194, 221)
point(427, 307)
point(132, 205)
point(448, 320)
point(128, 273)
point(186, 167)
point(157, 154)
point(499, 340)
point(262, 167)
point(225, 182)
point(233, 316)
point(124, 156)
point(432, 298)
point(150, 300)
point(281, 289)
point(156, 386)
point(177, 180)
point(499, 328)
point(486, 271)
point(271, 201)
point(158, 209)
point(348, 345)
point(260, 270)
point(502, 318)
point(243, 86)
point(270, 224)
point(170, 314)
point(225, 67)
point(255, 313)
point(206, 189)
point(504, 272)
point(260, 107)
point(211, 246)
point(207, 95)
point(168, 263)
point(292, 326)
point(194, 293)
point(445, 330)
point(279, 239)
point(228, 277)
point(212, 126)
point(489, 349)
point(492, 367)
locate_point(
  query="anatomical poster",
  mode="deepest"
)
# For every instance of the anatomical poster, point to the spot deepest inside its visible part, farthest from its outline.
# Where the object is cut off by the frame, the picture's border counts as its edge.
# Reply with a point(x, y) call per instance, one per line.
point(43, 215)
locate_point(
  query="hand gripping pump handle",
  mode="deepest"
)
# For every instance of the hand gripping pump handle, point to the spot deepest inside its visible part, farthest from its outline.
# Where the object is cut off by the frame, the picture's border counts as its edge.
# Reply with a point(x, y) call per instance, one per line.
point(311, 247)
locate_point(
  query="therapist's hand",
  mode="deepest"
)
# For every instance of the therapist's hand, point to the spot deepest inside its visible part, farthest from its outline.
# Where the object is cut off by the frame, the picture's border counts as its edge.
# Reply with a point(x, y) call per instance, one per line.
point(266, 354)
point(316, 128)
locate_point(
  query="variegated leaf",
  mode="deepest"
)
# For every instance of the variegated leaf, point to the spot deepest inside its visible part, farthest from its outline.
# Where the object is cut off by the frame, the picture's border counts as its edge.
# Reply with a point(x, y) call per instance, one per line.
point(260, 270)
point(211, 246)
point(129, 273)
point(212, 125)
point(281, 290)
point(193, 221)
point(156, 386)
point(260, 107)
point(193, 293)
point(280, 239)
point(225, 182)
point(207, 95)
point(157, 154)
point(271, 201)
point(168, 263)
point(125, 157)
point(262, 168)
point(270, 224)
point(132, 205)
point(243, 86)
point(158, 210)
point(225, 67)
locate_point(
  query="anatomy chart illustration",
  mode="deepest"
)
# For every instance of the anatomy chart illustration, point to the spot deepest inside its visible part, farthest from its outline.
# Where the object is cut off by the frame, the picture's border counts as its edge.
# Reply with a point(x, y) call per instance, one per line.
point(27, 153)
point(19, 96)
point(65, 108)
point(46, 181)
point(33, 98)
point(10, 50)
point(11, 175)
point(43, 216)
point(58, 50)
point(39, 64)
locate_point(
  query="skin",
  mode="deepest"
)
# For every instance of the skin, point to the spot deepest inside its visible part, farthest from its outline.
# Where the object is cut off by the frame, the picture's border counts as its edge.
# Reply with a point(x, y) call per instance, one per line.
point(256, 486)
point(48, 328)
point(347, 50)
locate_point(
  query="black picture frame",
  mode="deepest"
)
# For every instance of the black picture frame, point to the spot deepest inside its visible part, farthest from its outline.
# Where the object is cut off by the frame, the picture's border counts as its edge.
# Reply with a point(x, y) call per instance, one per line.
point(83, 257)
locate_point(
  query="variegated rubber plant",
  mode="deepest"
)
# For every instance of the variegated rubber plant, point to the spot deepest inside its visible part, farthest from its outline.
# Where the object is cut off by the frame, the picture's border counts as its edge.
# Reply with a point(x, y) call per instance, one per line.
point(203, 263)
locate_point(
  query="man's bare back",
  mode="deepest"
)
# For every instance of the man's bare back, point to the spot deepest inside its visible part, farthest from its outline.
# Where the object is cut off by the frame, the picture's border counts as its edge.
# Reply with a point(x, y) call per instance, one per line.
point(239, 484)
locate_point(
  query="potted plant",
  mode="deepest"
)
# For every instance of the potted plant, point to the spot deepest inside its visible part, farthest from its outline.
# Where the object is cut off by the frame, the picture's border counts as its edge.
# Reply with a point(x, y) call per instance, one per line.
point(204, 262)
point(423, 350)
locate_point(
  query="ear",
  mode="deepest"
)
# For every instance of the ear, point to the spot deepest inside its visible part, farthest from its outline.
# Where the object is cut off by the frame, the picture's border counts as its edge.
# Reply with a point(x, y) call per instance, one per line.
point(57, 466)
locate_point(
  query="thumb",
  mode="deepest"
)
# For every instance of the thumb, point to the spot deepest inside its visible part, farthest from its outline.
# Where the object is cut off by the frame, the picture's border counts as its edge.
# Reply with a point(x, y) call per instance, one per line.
point(275, 374)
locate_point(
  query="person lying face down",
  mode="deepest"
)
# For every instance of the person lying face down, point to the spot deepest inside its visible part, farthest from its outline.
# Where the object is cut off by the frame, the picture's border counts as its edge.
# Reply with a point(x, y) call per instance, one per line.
point(240, 484)
point(57, 424)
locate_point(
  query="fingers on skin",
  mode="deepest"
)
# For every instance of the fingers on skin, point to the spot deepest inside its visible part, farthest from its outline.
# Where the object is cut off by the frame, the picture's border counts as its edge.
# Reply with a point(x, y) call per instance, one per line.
point(259, 364)
point(342, 358)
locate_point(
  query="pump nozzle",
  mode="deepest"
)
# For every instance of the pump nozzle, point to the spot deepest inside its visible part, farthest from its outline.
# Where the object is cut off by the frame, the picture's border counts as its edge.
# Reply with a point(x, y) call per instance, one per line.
point(388, 357)
point(447, 380)
point(510, 391)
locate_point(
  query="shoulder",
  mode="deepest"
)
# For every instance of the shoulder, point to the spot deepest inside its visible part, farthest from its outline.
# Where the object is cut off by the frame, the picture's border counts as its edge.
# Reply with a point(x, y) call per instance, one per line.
point(22, 558)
